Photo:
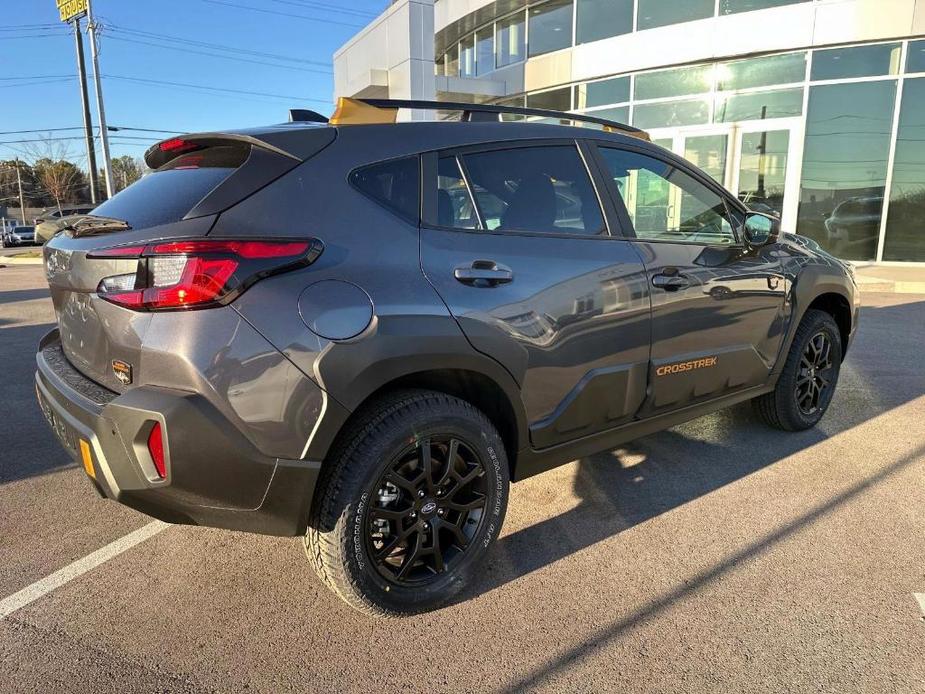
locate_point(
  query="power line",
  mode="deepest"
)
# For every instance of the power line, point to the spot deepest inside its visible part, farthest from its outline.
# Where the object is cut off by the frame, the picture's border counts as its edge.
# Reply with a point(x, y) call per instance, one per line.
point(35, 77)
point(136, 41)
point(165, 83)
point(36, 82)
point(313, 5)
point(217, 46)
point(283, 14)
point(31, 36)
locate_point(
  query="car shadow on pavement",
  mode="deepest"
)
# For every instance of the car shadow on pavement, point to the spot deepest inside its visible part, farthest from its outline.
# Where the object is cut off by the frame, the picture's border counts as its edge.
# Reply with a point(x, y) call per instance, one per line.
point(603, 637)
point(655, 474)
point(27, 445)
point(13, 295)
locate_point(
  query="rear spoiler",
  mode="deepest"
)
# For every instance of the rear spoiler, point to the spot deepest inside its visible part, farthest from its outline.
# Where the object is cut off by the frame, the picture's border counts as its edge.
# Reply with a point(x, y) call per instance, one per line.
point(296, 142)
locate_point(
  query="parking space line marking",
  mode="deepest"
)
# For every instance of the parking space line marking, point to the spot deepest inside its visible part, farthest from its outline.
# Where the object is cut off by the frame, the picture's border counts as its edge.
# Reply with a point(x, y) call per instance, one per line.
point(77, 568)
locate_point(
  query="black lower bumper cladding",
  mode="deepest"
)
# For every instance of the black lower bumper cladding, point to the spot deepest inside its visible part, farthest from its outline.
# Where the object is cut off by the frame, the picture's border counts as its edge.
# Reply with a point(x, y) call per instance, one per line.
point(214, 477)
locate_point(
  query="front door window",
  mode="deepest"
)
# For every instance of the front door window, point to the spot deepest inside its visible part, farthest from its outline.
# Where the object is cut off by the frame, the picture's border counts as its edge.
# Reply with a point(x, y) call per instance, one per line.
point(665, 203)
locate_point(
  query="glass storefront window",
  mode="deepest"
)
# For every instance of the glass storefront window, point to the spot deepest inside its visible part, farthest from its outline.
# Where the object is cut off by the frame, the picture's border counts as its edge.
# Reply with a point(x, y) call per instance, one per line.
point(484, 51)
point(915, 61)
point(657, 13)
point(601, 19)
point(550, 26)
point(671, 113)
point(452, 62)
point(905, 234)
point(517, 101)
point(856, 61)
point(602, 93)
point(708, 152)
point(761, 72)
point(844, 166)
point(510, 46)
point(467, 56)
point(781, 103)
point(620, 114)
point(678, 82)
point(734, 6)
point(763, 169)
point(554, 100)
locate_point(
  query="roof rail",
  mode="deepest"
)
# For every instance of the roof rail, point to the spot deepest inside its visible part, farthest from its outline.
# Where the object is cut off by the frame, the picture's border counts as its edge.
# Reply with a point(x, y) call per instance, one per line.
point(476, 112)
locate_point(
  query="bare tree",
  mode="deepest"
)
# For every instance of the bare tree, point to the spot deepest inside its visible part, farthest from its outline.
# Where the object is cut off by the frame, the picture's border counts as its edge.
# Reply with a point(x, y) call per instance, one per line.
point(55, 171)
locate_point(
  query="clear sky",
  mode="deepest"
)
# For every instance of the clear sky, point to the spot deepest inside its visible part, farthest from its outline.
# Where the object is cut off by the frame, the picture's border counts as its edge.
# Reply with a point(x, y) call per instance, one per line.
point(272, 55)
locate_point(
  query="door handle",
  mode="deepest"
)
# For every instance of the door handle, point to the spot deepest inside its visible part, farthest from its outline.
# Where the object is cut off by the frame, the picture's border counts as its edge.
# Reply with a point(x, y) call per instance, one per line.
point(670, 282)
point(483, 273)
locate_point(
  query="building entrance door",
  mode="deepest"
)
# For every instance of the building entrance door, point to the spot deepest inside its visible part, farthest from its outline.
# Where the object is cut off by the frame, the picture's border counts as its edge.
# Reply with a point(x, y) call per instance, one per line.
point(757, 160)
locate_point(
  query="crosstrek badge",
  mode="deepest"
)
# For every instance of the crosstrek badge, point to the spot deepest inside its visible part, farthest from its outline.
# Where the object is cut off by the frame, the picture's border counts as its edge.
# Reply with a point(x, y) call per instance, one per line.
point(123, 371)
point(704, 363)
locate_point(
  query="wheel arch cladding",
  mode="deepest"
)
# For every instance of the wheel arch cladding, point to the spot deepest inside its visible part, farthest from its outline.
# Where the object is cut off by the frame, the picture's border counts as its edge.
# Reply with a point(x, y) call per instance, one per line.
point(475, 387)
point(837, 306)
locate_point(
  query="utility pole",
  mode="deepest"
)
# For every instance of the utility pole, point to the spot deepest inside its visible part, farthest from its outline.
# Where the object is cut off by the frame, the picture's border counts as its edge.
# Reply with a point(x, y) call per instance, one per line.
point(85, 100)
point(22, 204)
point(97, 78)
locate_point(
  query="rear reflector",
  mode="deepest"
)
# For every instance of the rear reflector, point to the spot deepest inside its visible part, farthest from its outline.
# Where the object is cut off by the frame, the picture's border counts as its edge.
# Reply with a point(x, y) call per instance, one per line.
point(184, 274)
point(87, 458)
point(156, 449)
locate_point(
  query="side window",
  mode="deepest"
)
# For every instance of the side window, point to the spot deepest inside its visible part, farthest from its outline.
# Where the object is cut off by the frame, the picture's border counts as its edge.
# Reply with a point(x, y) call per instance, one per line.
point(666, 204)
point(454, 204)
point(395, 184)
point(538, 189)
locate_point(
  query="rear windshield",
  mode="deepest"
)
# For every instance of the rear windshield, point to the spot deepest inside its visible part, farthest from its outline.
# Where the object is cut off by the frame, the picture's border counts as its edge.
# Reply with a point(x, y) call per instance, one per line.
point(169, 193)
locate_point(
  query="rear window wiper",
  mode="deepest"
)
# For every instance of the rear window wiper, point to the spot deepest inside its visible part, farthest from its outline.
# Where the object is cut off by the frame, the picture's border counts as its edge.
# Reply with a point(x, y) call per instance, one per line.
point(90, 224)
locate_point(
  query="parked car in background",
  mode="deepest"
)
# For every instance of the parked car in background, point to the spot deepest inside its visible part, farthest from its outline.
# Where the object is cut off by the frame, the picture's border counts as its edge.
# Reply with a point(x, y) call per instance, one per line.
point(50, 224)
point(18, 236)
point(359, 331)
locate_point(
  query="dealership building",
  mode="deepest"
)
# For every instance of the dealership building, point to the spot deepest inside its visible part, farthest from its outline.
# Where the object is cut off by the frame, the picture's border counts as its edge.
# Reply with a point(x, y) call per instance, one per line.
point(811, 109)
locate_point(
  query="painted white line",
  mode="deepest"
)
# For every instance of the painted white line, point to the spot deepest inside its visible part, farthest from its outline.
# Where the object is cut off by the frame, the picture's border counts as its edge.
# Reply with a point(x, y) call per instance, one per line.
point(921, 598)
point(76, 569)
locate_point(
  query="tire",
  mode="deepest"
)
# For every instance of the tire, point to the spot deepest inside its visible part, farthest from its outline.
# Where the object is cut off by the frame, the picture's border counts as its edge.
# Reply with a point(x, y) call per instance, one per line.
point(374, 493)
point(814, 361)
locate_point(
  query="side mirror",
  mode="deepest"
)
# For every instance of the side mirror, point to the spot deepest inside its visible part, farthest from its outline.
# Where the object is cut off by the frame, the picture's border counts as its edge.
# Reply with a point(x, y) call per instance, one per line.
point(760, 229)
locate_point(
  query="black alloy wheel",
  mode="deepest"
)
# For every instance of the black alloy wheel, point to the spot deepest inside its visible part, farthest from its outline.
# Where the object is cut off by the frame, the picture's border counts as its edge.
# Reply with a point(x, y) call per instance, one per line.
point(815, 376)
point(426, 509)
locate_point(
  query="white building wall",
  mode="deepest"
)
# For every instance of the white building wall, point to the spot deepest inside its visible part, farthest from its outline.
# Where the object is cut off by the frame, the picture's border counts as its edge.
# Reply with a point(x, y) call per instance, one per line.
point(392, 57)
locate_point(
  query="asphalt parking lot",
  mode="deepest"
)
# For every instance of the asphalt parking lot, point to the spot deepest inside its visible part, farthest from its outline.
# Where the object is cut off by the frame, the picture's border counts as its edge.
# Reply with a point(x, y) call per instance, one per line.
point(716, 556)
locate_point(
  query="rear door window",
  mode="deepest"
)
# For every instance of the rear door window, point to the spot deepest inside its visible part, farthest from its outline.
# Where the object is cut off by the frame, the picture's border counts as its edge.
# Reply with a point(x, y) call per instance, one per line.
point(535, 189)
point(169, 193)
point(395, 184)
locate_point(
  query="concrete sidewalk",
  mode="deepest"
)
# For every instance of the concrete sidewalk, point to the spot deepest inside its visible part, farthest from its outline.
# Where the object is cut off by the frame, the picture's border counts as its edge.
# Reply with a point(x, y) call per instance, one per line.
point(891, 278)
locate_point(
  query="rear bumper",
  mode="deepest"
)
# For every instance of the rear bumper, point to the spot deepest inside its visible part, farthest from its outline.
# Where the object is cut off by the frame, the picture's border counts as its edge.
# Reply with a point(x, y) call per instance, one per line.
point(215, 476)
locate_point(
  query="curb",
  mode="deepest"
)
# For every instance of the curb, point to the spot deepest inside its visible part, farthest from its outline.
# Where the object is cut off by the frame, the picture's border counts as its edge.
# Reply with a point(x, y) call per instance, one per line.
point(13, 260)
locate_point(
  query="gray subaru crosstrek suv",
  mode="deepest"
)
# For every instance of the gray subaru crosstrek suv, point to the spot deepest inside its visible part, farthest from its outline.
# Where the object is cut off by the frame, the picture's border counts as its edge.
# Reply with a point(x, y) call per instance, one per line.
point(360, 331)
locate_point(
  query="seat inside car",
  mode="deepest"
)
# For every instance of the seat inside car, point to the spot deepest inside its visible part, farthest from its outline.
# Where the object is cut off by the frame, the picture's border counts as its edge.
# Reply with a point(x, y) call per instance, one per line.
point(533, 205)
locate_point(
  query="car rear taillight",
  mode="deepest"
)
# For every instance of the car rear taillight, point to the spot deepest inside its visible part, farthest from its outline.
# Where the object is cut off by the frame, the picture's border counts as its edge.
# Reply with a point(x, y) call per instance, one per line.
point(156, 449)
point(188, 274)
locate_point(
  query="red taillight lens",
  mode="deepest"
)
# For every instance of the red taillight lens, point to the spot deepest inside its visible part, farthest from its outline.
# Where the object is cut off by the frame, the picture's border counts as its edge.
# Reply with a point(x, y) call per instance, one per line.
point(156, 449)
point(199, 273)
